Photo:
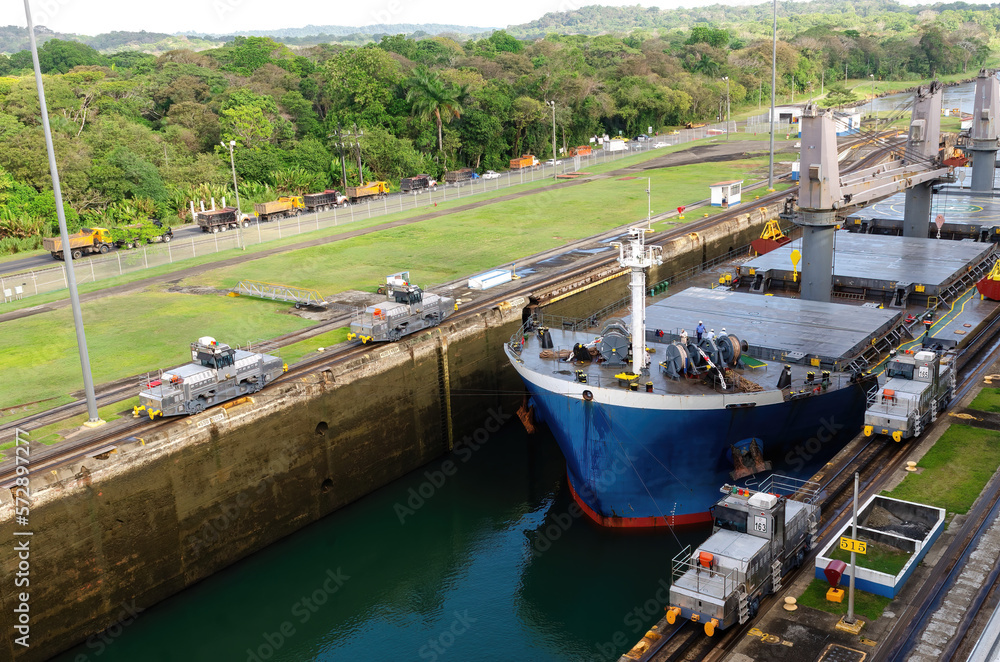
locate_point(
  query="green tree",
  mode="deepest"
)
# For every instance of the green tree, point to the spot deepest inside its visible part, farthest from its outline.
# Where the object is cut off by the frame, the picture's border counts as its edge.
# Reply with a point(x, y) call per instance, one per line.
point(431, 97)
point(60, 56)
point(838, 95)
point(247, 125)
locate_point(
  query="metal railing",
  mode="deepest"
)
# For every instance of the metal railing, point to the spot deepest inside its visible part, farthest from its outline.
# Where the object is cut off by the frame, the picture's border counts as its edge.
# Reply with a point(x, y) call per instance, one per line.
point(718, 583)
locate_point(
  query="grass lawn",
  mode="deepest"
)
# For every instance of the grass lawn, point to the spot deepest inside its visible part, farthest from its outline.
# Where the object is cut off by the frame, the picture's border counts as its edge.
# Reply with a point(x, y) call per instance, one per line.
point(880, 557)
point(127, 335)
point(987, 400)
point(293, 353)
point(463, 243)
point(53, 433)
point(866, 605)
point(955, 469)
point(32, 408)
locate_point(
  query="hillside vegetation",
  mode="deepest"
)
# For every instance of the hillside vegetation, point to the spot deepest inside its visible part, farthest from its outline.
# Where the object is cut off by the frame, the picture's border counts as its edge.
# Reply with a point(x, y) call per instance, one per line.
point(138, 135)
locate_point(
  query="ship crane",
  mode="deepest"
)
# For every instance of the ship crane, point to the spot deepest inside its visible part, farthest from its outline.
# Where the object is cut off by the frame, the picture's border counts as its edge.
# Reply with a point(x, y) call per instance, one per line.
point(635, 255)
point(823, 190)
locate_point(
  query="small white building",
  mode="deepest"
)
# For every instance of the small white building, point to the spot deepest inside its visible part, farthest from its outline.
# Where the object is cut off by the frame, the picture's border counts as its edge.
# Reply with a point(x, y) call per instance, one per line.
point(726, 194)
point(847, 122)
point(785, 114)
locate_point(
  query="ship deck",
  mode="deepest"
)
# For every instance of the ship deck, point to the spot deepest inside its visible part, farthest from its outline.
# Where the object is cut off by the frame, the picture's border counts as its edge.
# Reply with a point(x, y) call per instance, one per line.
point(779, 331)
point(876, 262)
point(775, 327)
point(965, 213)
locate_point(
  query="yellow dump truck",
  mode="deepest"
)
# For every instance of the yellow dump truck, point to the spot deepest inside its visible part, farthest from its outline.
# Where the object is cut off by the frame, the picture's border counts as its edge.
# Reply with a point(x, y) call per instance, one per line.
point(87, 240)
point(281, 208)
point(526, 161)
point(368, 191)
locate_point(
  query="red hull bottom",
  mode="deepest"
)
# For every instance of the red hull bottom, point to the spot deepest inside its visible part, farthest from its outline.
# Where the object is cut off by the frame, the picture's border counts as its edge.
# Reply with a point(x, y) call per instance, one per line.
point(691, 519)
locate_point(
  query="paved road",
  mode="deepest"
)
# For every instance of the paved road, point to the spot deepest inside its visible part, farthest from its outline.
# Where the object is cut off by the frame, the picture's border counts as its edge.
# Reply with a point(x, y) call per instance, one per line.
point(699, 154)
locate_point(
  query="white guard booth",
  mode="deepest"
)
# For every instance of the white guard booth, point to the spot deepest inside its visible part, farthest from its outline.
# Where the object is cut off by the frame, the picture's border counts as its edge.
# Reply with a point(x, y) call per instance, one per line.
point(726, 194)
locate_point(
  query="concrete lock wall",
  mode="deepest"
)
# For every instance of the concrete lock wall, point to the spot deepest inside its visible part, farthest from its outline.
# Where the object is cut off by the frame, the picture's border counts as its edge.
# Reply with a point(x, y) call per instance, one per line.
point(158, 514)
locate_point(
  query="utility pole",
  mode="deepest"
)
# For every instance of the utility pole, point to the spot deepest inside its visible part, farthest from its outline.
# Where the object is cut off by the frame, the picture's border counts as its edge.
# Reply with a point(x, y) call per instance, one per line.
point(774, 82)
point(350, 140)
point(357, 138)
point(649, 203)
point(871, 106)
point(343, 163)
point(726, 78)
point(94, 418)
point(553, 104)
point(239, 210)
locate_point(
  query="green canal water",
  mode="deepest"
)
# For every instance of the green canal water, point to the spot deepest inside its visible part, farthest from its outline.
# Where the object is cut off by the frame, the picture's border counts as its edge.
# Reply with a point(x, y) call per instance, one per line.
point(488, 563)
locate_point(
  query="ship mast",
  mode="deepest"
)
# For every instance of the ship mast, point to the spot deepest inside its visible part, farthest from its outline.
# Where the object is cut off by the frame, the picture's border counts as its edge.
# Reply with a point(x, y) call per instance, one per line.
point(638, 257)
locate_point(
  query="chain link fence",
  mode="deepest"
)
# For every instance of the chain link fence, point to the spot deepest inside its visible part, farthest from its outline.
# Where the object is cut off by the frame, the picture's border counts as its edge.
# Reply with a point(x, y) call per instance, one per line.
point(127, 261)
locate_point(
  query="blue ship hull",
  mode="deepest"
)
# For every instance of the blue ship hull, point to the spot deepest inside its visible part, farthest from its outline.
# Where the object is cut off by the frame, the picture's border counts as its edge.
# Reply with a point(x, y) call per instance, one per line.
point(645, 467)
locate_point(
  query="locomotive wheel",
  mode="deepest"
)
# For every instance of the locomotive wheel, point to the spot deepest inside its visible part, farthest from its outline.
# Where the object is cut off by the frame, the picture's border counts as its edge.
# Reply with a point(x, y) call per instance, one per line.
point(394, 335)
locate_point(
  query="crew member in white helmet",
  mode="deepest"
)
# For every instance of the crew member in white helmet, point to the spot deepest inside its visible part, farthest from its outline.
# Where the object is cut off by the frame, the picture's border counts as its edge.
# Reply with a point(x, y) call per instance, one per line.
point(711, 334)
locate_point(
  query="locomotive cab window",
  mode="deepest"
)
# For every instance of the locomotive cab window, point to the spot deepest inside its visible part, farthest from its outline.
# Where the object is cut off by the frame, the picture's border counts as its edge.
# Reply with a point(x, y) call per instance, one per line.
point(731, 520)
point(897, 369)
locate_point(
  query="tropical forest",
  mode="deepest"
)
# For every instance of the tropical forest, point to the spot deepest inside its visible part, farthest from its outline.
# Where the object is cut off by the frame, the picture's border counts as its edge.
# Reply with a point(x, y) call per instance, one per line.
point(142, 134)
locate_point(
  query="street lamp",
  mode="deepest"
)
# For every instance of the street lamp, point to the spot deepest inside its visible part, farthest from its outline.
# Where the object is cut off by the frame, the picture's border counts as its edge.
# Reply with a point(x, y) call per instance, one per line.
point(553, 104)
point(774, 77)
point(726, 78)
point(239, 210)
point(871, 107)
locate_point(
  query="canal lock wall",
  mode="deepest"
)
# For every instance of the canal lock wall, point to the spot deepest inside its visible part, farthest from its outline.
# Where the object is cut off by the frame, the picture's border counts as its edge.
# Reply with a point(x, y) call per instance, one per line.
point(116, 533)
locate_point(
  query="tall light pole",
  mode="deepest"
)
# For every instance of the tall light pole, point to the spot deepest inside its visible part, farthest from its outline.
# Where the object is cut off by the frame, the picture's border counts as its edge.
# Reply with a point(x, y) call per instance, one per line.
point(239, 209)
point(93, 417)
point(726, 78)
point(774, 82)
point(553, 104)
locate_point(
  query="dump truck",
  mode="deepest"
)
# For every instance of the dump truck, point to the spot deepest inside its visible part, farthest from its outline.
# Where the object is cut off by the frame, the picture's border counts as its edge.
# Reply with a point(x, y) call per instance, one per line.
point(367, 191)
point(328, 199)
point(458, 176)
point(86, 241)
point(219, 220)
point(416, 183)
point(283, 207)
point(526, 161)
point(582, 150)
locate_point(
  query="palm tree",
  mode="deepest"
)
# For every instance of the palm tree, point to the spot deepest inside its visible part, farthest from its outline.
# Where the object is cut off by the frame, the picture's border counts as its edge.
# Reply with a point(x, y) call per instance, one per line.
point(432, 97)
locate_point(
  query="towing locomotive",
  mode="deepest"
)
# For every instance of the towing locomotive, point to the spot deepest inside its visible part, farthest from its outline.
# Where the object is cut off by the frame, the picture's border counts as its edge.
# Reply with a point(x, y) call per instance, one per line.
point(758, 536)
point(919, 385)
point(216, 374)
point(409, 310)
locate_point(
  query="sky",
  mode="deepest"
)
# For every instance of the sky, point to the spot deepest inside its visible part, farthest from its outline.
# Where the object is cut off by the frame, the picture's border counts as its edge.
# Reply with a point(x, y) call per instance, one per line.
point(93, 17)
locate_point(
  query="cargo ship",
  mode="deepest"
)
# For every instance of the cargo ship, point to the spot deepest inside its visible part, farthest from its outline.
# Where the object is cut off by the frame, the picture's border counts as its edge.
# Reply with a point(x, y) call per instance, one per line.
point(652, 417)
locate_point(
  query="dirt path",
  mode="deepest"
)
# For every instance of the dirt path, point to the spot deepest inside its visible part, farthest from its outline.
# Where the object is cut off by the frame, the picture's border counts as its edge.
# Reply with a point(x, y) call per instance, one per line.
point(698, 154)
